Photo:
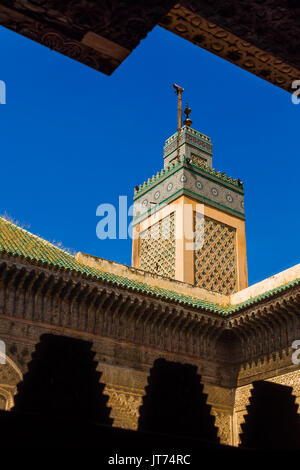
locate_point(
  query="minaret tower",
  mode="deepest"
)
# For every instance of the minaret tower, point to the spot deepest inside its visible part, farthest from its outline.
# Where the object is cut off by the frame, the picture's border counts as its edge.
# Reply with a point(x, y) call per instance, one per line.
point(189, 220)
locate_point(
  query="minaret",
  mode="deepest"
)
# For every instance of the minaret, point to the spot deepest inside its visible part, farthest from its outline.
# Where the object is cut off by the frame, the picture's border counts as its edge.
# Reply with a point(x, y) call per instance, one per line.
point(189, 220)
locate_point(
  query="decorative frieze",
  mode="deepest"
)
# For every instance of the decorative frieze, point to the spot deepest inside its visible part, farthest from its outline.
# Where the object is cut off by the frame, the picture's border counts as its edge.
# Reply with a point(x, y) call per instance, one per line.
point(187, 179)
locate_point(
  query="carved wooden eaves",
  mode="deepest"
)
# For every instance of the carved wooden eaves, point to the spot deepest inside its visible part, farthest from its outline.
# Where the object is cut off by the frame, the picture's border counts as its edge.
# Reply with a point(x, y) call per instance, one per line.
point(262, 38)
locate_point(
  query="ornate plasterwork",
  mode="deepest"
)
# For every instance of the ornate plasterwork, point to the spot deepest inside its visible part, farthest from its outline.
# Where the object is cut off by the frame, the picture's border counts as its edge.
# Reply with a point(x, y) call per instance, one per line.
point(98, 34)
point(223, 421)
point(292, 379)
point(203, 32)
point(125, 404)
point(7, 394)
point(242, 400)
point(243, 394)
point(10, 376)
point(131, 330)
point(221, 401)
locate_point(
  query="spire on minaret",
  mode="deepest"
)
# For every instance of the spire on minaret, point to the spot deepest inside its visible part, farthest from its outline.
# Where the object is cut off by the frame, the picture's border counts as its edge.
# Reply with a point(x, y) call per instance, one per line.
point(187, 111)
point(179, 90)
point(187, 142)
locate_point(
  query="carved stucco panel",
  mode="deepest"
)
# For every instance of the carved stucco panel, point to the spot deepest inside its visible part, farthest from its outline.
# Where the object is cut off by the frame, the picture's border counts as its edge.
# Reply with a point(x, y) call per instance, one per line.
point(124, 404)
point(242, 396)
point(10, 376)
point(221, 401)
point(292, 379)
point(223, 421)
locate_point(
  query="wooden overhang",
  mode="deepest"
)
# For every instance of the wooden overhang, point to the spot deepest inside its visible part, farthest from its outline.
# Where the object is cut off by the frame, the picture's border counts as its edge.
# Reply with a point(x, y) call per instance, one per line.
point(262, 37)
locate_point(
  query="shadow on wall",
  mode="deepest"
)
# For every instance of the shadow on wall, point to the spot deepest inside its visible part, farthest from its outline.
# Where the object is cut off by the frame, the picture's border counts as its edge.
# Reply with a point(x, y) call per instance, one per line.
point(175, 403)
point(62, 381)
point(272, 421)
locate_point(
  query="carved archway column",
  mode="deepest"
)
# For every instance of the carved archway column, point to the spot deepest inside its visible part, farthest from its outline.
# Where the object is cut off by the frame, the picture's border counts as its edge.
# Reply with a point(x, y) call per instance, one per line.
point(10, 376)
point(125, 389)
point(125, 404)
point(221, 401)
point(241, 401)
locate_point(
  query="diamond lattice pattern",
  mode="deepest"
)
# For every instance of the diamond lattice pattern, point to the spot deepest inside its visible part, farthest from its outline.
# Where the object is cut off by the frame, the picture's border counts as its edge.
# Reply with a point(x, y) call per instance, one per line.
point(215, 262)
point(157, 247)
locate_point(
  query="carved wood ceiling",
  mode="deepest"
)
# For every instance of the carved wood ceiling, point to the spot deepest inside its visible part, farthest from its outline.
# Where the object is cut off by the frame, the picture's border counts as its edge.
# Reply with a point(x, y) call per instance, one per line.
point(261, 36)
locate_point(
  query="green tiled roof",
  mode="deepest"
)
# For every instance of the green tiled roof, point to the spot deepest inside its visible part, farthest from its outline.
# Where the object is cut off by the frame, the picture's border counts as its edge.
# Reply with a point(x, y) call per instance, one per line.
point(263, 296)
point(15, 240)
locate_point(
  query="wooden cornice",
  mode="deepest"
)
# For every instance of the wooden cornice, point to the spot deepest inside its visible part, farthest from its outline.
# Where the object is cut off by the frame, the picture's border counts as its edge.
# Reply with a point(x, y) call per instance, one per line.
point(56, 297)
point(262, 38)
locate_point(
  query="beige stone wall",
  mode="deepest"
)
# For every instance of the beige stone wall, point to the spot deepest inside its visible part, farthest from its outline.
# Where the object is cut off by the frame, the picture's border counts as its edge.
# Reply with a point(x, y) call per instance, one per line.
point(279, 279)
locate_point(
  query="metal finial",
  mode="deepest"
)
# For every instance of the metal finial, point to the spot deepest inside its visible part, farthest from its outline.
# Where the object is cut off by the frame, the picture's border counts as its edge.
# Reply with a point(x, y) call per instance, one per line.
point(178, 90)
point(187, 111)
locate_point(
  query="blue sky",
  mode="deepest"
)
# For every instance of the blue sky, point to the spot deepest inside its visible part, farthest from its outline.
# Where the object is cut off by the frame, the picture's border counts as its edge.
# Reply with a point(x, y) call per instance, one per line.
point(73, 138)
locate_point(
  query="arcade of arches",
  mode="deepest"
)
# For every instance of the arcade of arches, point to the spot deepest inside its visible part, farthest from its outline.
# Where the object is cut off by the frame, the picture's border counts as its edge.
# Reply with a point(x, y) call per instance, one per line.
point(129, 326)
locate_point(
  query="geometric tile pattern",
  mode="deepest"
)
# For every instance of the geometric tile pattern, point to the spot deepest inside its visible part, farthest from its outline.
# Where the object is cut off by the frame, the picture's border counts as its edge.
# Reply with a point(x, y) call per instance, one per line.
point(157, 247)
point(196, 185)
point(215, 261)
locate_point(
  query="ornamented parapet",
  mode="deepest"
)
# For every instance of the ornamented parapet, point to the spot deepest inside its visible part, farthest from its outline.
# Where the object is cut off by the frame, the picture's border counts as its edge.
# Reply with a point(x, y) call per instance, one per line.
point(191, 143)
point(194, 180)
point(200, 166)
